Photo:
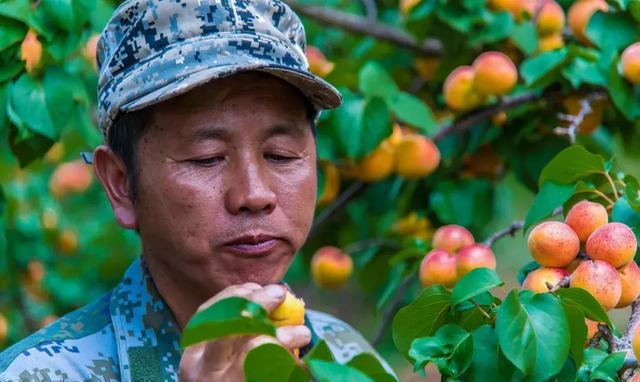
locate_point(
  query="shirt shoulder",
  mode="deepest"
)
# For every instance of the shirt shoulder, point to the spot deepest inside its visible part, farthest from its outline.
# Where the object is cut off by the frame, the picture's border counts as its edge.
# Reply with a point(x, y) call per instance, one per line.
point(78, 347)
point(343, 340)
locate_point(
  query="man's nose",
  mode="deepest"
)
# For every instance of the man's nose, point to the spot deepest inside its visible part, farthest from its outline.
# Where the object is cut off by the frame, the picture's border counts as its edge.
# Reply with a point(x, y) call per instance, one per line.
point(250, 189)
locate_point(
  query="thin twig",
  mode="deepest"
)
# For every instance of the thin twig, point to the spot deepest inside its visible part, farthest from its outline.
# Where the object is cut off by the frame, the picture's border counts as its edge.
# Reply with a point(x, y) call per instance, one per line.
point(359, 24)
point(370, 243)
point(603, 196)
point(336, 206)
point(634, 319)
point(512, 228)
point(370, 9)
point(613, 186)
point(484, 312)
point(576, 120)
point(394, 305)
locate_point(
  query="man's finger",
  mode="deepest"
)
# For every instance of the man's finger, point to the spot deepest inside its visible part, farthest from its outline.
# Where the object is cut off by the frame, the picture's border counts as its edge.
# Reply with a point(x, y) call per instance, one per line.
point(293, 337)
point(269, 297)
point(242, 290)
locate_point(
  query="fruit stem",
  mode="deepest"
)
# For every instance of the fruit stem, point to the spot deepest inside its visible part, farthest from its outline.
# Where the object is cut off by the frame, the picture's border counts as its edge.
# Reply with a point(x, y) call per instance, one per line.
point(482, 310)
point(603, 196)
point(613, 186)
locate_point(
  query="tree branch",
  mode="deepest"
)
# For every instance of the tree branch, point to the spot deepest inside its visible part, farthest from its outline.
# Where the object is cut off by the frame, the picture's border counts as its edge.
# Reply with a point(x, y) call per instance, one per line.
point(370, 243)
point(336, 206)
point(512, 228)
point(394, 305)
point(370, 9)
point(359, 24)
point(576, 120)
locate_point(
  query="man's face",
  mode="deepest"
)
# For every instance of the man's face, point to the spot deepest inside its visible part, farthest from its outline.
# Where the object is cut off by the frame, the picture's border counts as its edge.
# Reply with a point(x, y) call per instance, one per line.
point(227, 182)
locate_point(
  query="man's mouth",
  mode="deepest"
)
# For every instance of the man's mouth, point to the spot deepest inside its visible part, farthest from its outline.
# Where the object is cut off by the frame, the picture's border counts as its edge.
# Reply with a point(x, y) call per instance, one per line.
point(252, 245)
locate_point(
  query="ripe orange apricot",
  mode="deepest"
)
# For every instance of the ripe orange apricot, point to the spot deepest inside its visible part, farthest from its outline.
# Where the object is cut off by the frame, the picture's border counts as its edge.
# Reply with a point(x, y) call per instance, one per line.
point(635, 341)
point(585, 217)
point(290, 312)
point(474, 256)
point(459, 92)
point(592, 328)
point(416, 156)
point(90, 49)
point(600, 279)
point(318, 63)
point(579, 15)
point(396, 135)
point(495, 74)
point(438, 267)
point(31, 51)
point(4, 328)
point(614, 243)
point(553, 244)
point(630, 277)
point(505, 5)
point(550, 42)
point(631, 63)
point(377, 165)
point(537, 280)
point(593, 119)
point(406, 6)
point(331, 183)
point(331, 267)
point(70, 177)
point(452, 238)
point(550, 18)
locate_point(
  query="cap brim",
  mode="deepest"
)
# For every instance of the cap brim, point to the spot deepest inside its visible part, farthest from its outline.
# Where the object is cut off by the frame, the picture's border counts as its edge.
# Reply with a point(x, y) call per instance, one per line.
point(321, 94)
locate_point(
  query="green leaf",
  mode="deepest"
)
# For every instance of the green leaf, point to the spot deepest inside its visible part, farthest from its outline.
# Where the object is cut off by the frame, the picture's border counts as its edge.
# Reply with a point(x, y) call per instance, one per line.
point(320, 351)
point(539, 70)
point(451, 349)
point(374, 81)
point(608, 369)
point(585, 302)
point(376, 125)
point(370, 365)
point(68, 15)
point(324, 371)
point(613, 30)
point(473, 284)
point(488, 363)
point(229, 316)
point(550, 197)
point(27, 145)
point(465, 202)
point(272, 363)
point(525, 37)
point(15, 9)
point(623, 212)
point(499, 25)
point(432, 306)
point(631, 189)
point(571, 164)
point(625, 96)
point(28, 107)
point(413, 111)
point(577, 331)
point(11, 32)
point(580, 71)
point(347, 124)
point(534, 333)
point(525, 270)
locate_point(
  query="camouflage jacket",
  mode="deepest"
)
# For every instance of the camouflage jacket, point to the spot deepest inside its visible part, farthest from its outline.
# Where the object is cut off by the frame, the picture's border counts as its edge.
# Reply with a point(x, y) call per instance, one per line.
point(129, 334)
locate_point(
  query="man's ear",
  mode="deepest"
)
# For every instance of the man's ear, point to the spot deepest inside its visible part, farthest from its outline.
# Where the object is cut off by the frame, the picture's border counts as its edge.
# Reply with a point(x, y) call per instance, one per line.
point(112, 173)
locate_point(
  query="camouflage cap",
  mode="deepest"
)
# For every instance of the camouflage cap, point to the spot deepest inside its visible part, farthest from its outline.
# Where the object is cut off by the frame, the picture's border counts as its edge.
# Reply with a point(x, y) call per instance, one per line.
point(153, 50)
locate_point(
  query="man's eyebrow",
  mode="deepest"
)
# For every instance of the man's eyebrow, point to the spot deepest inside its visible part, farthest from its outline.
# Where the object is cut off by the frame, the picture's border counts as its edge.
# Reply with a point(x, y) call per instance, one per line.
point(294, 130)
point(209, 133)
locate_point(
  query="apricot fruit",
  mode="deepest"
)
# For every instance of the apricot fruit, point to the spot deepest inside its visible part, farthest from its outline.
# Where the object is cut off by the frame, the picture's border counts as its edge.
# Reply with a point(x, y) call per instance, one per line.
point(459, 92)
point(406, 6)
point(67, 242)
point(550, 19)
point(592, 329)
point(579, 15)
point(631, 63)
point(537, 280)
point(31, 51)
point(511, 6)
point(318, 63)
point(70, 177)
point(550, 42)
point(426, 67)
point(415, 226)
point(4, 328)
point(553, 244)
point(593, 119)
point(614, 243)
point(635, 341)
point(630, 277)
point(585, 217)
point(90, 49)
point(416, 156)
point(331, 183)
point(289, 313)
point(438, 267)
point(452, 238)
point(376, 165)
point(474, 256)
point(495, 74)
point(396, 135)
point(331, 267)
point(601, 280)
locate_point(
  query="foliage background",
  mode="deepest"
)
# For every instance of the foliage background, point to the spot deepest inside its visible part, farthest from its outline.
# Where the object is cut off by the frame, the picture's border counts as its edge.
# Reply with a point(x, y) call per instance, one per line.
point(46, 274)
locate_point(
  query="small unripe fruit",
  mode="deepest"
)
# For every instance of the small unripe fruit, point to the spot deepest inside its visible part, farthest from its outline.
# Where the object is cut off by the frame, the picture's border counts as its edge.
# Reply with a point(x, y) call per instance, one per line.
point(495, 74)
point(614, 243)
point(580, 13)
point(550, 18)
point(537, 280)
point(289, 313)
point(438, 267)
point(474, 256)
point(550, 42)
point(585, 217)
point(459, 92)
point(600, 279)
point(318, 63)
point(553, 244)
point(631, 63)
point(452, 238)
point(630, 277)
point(331, 267)
point(416, 156)
point(377, 165)
point(331, 183)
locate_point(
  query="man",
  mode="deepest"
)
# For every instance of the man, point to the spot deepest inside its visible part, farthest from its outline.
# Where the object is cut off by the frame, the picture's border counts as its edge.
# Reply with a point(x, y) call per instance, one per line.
point(208, 112)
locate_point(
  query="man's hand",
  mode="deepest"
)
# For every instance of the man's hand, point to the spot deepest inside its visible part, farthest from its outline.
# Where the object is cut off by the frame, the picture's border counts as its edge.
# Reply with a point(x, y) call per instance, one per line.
point(223, 359)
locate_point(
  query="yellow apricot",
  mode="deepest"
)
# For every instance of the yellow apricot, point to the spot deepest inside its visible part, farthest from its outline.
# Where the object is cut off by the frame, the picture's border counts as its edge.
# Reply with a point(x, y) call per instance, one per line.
point(601, 280)
point(540, 279)
point(495, 74)
point(31, 51)
point(550, 19)
point(630, 277)
point(289, 313)
point(331, 183)
point(580, 13)
point(585, 217)
point(550, 42)
point(614, 243)
point(438, 267)
point(318, 63)
point(377, 165)
point(631, 63)
point(331, 267)
point(416, 156)
point(452, 238)
point(553, 244)
point(459, 92)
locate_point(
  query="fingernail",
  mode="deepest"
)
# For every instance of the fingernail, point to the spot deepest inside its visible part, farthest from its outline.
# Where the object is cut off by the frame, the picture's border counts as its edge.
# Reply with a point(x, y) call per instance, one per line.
point(275, 291)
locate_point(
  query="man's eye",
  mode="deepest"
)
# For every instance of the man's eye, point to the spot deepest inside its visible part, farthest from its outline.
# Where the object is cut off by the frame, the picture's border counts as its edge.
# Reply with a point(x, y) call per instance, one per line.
point(210, 161)
point(279, 158)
